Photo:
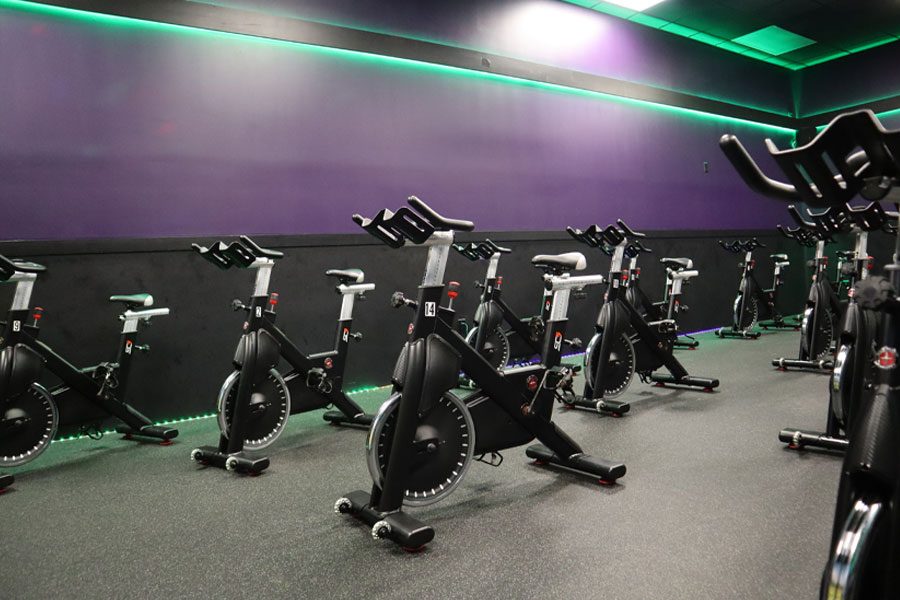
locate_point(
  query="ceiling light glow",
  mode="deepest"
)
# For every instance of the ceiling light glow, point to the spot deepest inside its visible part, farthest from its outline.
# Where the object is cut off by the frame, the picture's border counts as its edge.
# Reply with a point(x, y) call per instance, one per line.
point(637, 5)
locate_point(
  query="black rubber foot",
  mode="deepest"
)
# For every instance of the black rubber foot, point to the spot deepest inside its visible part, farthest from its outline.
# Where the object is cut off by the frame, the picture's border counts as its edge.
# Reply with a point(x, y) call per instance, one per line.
point(336, 417)
point(609, 407)
point(783, 364)
point(5, 481)
point(402, 529)
point(779, 325)
point(148, 431)
point(688, 345)
point(237, 462)
point(704, 383)
point(728, 332)
point(797, 439)
point(582, 464)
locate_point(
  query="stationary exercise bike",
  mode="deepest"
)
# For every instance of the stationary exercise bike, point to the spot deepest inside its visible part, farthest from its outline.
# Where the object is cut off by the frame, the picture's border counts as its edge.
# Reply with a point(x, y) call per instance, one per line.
point(851, 373)
point(29, 415)
point(752, 301)
point(424, 438)
point(498, 333)
point(256, 399)
point(679, 271)
point(854, 155)
point(624, 342)
point(824, 310)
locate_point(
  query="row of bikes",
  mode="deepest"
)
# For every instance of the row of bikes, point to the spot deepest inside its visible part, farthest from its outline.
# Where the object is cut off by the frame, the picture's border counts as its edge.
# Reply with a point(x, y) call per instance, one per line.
point(838, 184)
point(467, 392)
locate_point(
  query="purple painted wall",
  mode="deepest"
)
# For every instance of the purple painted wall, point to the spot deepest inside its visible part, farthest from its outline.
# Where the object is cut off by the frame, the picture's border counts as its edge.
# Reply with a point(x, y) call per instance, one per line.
point(141, 132)
point(561, 34)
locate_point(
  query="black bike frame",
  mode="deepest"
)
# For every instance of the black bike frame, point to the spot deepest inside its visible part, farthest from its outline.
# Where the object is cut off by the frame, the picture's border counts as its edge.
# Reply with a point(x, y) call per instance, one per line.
point(616, 316)
point(79, 380)
point(507, 389)
point(492, 294)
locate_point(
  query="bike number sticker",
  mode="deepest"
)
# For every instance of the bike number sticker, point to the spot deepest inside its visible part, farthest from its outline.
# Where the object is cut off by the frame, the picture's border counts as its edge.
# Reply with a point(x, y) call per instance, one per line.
point(259, 311)
point(17, 325)
point(128, 346)
point(557, 341)
point(430, 309)
point(346, 334)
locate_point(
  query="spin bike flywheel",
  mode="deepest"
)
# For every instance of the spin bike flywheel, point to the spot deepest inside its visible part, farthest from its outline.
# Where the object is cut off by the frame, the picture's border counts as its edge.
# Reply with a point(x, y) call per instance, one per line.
point(842, 383)
point(857, 563)
point(496, 347)
point(28, 423)
point(751, 313)
point(442, 450)
point(619, 370)
point(270, 407)
point(824, 334)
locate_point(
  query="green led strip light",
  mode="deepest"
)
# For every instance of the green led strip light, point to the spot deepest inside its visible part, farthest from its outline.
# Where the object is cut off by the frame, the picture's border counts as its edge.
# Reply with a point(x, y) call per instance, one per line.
point(373, 59)
point(81, 436)
point(712, 40)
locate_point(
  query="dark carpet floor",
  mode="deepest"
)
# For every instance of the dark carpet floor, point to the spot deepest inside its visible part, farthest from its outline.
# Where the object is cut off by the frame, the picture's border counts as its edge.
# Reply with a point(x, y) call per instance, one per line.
point(712, 506)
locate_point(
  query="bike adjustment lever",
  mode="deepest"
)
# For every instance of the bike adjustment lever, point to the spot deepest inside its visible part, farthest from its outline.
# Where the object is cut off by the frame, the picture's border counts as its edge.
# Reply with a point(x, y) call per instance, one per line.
point(237, 305)
point(574, 343)
point(398, 299)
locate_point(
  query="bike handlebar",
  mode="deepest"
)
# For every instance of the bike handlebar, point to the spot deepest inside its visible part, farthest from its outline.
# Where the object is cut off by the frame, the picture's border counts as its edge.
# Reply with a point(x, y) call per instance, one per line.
point(750, 172)
point(241, 253)
point(853, 155)
point(408, 225)
point(478, 250)
point(440, 223)
point(738, 246)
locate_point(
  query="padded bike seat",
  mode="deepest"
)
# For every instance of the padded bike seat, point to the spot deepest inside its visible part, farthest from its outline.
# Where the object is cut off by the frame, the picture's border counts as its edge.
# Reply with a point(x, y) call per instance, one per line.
point(780, 257)
point(677, 263)
point(560, 263)
point(26, 266)
point(346, 276)
point(8, 267)
point(133, 300)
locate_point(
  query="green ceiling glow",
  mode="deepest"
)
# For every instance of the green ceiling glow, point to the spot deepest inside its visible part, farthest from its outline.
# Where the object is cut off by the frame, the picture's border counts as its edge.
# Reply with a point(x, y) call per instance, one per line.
point(373, 59)
point(724, 44)
point(636, 4)
point(774, 40)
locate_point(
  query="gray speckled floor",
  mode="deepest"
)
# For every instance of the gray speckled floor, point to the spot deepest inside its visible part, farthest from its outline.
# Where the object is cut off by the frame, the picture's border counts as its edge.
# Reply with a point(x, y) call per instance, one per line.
point(712, 507)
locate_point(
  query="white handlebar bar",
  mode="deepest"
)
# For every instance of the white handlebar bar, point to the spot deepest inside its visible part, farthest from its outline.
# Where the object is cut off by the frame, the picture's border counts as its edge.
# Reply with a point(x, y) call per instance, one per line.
point(556, 283)
point(144, 314)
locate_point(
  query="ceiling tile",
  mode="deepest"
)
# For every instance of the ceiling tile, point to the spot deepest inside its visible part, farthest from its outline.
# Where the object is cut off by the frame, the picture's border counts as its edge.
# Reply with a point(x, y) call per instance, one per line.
point(837, 26)
point(773, 40)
